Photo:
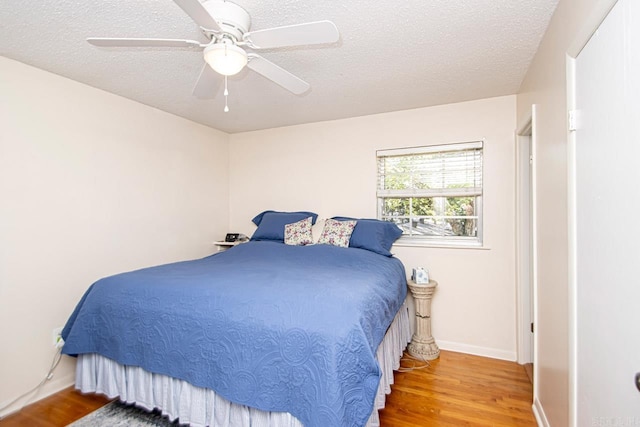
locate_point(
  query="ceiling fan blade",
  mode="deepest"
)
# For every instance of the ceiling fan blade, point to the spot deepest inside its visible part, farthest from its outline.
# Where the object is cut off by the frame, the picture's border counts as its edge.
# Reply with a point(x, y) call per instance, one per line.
point(207, 84)
point(276, 74)
point(294, 35)
point(125, 42)
point(199, 14)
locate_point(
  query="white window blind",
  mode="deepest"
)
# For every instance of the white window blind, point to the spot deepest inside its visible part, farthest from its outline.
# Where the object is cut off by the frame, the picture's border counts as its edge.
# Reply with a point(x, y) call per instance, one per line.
point(433, 192)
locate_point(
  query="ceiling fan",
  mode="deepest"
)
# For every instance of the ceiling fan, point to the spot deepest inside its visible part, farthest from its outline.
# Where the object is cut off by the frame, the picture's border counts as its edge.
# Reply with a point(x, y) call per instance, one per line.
point(227, 26)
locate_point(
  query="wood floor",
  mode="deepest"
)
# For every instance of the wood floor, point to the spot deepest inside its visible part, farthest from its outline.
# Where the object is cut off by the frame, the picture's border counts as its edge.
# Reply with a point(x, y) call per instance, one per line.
point(461, 390)
point(59, 409)
point(455, 390)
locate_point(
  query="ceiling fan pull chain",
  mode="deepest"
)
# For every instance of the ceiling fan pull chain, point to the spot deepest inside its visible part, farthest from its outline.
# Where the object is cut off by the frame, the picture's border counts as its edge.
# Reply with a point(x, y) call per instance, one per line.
point(226, 95)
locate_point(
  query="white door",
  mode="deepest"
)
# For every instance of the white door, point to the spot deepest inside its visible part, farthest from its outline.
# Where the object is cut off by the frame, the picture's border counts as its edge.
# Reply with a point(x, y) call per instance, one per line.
point(607, 150)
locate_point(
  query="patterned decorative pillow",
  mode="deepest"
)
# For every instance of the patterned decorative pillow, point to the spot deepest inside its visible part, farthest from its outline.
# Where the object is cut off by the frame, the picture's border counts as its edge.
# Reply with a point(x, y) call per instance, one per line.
point(337, 233)
point(299, 233)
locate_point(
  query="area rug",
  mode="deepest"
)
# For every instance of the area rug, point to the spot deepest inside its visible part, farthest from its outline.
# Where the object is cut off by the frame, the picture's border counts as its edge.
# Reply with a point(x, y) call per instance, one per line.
point(118, 414)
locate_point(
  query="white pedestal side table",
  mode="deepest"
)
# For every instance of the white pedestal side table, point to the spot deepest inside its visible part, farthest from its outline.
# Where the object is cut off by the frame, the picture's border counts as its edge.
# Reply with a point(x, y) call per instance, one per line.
point(422, 344)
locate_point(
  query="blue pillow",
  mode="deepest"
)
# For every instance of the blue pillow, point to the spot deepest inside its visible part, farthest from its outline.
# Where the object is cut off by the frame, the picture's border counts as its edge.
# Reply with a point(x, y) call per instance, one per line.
point(271, 223)
point(373, 235)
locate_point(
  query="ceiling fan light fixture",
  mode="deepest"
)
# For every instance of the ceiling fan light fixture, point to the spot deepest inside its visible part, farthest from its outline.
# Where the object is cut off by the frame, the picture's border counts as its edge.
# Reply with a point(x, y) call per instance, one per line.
point(225, 58)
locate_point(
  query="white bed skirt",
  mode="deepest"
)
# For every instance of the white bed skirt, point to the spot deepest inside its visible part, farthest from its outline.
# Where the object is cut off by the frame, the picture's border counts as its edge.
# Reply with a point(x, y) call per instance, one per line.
point(203, 407)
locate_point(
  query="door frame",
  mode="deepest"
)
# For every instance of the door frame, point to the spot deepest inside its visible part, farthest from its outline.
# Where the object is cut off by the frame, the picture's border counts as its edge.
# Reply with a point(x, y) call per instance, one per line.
point(598, 14)
point(526, 244)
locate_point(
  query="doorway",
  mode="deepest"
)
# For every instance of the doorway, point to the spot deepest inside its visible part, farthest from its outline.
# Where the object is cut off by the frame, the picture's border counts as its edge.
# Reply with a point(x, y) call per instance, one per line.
point(526, 241)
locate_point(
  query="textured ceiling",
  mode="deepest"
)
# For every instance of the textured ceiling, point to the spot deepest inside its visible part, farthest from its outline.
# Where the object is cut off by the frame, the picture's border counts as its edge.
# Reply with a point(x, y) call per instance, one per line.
point(392, 55)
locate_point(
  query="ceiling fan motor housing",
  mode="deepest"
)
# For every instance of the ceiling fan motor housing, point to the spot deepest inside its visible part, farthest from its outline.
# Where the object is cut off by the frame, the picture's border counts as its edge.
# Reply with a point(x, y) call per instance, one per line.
point(233, 19)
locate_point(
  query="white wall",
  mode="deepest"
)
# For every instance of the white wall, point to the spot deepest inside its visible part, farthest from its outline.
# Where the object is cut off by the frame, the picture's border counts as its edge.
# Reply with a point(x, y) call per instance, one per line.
point(546, 86)
point(91, 184)
point(330, 168)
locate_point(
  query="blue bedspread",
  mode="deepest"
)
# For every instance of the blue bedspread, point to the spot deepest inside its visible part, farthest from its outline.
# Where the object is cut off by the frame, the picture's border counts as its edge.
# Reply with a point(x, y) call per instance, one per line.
point(272, 326)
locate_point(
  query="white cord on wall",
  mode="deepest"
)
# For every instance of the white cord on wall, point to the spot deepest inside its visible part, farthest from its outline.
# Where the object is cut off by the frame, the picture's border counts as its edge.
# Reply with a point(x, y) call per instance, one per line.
point(54, 364)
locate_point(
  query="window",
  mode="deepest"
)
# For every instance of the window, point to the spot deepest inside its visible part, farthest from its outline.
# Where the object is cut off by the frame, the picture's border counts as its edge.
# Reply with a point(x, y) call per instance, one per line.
point(433, 193)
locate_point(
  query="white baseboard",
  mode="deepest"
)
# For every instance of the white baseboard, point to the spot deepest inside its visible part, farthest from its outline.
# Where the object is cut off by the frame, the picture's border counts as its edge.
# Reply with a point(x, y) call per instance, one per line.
point(538, 412)
point(493, 353)
point(47, 389)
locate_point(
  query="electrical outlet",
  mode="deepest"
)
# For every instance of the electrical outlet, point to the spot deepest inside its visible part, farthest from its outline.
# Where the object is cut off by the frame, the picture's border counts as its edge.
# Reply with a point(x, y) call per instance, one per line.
point(56, 336)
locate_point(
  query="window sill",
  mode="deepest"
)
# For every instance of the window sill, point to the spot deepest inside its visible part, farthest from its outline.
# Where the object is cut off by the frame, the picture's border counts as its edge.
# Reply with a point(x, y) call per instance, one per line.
point(442, 245)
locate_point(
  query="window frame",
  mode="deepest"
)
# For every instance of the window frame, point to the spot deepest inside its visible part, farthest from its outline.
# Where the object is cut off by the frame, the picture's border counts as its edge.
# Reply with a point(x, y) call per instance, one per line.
point(477, 192)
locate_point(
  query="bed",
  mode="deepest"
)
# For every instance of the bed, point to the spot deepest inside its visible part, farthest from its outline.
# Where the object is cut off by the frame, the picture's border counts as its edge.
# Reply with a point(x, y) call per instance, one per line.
point(266, 333)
